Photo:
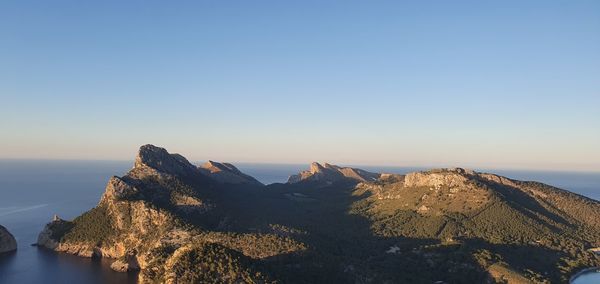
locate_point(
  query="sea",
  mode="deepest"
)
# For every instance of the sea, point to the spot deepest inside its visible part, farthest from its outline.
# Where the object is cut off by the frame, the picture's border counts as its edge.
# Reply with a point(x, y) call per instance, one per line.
point(33, 191)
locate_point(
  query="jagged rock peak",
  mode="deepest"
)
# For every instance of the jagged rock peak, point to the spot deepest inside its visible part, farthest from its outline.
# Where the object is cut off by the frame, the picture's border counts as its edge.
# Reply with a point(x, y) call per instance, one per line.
point(7, 241)
point(315, 167)
point(159, 159)
point(227, 173)
point(330, 173)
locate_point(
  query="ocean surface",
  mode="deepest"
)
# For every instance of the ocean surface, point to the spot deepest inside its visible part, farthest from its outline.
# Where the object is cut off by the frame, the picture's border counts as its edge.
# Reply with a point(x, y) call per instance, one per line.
point(31, 192)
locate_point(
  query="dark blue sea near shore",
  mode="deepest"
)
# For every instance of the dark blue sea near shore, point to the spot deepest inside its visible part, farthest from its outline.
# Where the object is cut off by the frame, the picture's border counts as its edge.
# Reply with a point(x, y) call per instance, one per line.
point(31, 192)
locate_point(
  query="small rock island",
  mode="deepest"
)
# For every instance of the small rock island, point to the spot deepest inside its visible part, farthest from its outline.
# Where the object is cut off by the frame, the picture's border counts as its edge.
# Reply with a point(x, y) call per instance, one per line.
point(7, 241)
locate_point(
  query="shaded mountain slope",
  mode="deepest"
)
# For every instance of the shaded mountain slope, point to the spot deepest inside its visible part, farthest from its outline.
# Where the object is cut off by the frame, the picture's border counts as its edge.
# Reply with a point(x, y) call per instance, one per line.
point(160, 211)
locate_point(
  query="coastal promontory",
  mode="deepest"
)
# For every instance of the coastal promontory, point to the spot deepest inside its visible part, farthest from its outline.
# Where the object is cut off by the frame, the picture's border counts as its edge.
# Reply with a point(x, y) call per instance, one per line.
point(176, 222)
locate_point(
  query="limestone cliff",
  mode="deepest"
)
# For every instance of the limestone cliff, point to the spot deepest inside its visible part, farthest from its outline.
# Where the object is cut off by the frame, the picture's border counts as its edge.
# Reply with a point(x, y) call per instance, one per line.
point(136, 211)
point(179, 223)
point(7, 241)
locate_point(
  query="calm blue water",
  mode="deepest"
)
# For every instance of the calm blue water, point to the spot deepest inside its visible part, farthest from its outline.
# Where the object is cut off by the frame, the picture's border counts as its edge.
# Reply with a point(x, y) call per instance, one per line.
point(31, 192)
point(592, 277)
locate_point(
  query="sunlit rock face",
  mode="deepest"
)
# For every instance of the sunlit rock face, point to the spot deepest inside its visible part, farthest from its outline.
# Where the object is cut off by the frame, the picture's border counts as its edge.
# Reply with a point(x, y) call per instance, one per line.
point(7, 241)
point(136, 212)
point(158, 159)
point(227, 173)
point(327, 173)
point(436, 178)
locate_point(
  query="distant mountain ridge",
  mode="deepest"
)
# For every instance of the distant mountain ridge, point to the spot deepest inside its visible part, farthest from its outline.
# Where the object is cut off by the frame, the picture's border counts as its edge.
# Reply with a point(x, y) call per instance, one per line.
point(180, 223)
point(151, 158)
point(7, 241)
point(227, 173)
point(327, 174)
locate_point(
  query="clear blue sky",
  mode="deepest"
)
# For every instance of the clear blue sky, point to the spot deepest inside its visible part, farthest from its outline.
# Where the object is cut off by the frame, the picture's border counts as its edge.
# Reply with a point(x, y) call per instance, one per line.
point(507, 84)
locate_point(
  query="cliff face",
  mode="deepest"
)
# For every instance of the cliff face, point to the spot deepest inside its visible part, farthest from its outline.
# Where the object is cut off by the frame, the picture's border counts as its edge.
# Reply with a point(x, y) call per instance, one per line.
point(144, 218)
point(126, 235)
point(437, 178)
point(155, 159)
point(7, 241)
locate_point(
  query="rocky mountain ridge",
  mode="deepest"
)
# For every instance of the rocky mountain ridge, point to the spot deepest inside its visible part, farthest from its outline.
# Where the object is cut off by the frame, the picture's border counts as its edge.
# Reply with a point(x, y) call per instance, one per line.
point(175, 221)
point(328, 174)
point(163, 205)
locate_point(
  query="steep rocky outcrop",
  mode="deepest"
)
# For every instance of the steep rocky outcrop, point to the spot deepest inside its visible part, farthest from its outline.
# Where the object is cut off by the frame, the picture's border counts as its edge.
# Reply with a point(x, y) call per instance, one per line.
point(227, 173)
point(7, 241)
point(437, 178)
point(489, 213)
point(151, 158)
point(135, 210)
point(328, 174)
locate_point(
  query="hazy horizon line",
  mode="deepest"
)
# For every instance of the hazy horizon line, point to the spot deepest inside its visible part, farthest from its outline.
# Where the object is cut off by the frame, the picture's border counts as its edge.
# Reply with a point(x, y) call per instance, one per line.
point(307, 164)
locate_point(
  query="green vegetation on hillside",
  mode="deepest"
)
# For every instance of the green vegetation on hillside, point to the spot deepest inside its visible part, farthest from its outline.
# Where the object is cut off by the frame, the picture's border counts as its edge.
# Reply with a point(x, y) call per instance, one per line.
point(92, 227)
point(205, 263)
